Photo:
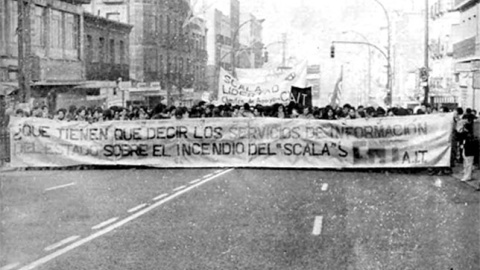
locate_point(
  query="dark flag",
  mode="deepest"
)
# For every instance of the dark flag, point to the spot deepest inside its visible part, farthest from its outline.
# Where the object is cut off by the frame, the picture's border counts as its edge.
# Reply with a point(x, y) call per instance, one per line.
point(302, 96)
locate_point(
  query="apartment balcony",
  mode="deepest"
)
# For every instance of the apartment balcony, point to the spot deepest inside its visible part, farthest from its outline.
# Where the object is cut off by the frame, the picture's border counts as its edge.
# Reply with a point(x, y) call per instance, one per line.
point(463, 4)
point(106, 71)
point(464, 48)
point(78, 2)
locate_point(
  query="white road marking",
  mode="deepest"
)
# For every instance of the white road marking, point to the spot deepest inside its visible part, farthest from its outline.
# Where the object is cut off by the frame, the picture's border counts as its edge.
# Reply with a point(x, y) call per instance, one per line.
point(112, 227)
point(137, 208)
point(178, 188)
point(61, 243)
point(160, 196)
point(195, 181)
point(105, 223)
point(10, 266)
point(208, 175)
point(324, 187)
point(317, 225)
point(59, 187)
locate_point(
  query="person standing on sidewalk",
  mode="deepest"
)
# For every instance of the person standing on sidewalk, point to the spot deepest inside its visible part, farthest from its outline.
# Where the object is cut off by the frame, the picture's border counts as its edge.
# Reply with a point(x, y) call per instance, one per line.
point(469, 148)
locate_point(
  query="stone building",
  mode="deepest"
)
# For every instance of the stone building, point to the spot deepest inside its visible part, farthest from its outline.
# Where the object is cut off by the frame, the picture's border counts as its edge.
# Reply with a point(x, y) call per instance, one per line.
point(51, 39)
point(466, 52)
point(163, 57)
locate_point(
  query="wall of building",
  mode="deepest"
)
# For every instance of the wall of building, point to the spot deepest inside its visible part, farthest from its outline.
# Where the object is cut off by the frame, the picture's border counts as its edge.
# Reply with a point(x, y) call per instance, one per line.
point(466, 54)
point(162, 48)
point(56, 41)
point(106, 49)
point(443, 87)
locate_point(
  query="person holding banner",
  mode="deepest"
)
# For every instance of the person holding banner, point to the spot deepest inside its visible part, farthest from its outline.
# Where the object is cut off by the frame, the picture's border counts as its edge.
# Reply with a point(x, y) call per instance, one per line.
point(258, 111)
point(60, 115)
point(330, 113)
point(280, 111)
point(245, 111)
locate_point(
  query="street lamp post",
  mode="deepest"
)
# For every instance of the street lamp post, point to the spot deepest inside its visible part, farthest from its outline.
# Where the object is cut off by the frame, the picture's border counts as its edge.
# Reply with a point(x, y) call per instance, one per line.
point(369, 79)
point(389, 67)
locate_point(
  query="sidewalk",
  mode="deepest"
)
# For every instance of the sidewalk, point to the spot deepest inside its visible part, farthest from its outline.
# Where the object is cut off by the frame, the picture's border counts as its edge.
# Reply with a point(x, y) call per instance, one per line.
point(458, 170)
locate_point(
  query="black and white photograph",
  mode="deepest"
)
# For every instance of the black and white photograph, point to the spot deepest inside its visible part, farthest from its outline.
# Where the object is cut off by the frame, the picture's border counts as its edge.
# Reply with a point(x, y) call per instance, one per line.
point(239, 134)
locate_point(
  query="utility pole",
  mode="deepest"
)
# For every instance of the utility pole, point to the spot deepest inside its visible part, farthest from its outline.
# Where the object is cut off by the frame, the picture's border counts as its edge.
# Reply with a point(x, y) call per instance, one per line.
point(426, 56)
point(24, 50)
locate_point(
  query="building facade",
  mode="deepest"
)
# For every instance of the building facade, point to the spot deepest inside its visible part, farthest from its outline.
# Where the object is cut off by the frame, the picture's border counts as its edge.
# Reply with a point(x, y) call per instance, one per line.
point(162, 46)
point(251, 45)
point(219, 47)
point(106, 49)
point(234, 40)
point(51, 39)
point(106, 60)
point(443, 88)
point(466, 53)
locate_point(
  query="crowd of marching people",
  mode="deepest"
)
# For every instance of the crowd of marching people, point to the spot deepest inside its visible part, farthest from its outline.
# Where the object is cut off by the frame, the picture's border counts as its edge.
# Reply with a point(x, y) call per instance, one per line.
point(464, 145)
point(205, 110)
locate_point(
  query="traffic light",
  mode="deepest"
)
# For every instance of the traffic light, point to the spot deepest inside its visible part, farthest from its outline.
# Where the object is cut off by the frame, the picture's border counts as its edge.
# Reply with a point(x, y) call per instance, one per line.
point(332, 51)
point(423, 74)
point(265, 57)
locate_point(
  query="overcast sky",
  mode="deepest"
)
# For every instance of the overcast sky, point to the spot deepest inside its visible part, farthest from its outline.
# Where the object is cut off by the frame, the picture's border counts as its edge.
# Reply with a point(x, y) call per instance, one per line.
point(312, 24)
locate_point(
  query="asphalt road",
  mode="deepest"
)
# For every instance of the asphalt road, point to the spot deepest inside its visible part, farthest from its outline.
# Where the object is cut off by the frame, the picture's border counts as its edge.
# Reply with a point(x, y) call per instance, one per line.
point(237, 219)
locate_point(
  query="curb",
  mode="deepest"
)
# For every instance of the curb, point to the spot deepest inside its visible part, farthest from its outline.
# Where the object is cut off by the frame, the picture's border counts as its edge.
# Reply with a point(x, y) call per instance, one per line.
point(6, 169)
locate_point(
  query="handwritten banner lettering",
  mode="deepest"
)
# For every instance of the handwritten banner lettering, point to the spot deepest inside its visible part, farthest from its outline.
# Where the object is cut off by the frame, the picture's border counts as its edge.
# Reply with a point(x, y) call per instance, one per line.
point(396, 142)
point(268, 89)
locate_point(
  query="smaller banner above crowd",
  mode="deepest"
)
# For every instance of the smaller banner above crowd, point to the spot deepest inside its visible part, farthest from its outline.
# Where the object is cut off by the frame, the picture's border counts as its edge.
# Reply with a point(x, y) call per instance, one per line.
point(261, 86)
point(392, 142)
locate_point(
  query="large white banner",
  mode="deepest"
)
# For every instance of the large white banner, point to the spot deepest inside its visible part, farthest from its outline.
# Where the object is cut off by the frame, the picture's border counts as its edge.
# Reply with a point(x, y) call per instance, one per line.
point(396, 142)
point(264, 87)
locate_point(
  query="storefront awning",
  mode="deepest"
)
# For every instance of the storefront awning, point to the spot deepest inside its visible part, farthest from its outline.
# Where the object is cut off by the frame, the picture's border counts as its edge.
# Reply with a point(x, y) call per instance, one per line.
point(6, 88)
point(69, 83)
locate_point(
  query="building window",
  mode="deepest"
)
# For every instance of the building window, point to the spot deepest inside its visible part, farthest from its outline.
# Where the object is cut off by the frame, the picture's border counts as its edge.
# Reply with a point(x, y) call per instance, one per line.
point(151, 26)
point(160, 25)
point(168, 25)
point(69, 31)
point(39, 25)
point(89, 45)
point(76, 32)
point(122, 52)
point(101, 49)
point(114, 16)
point(169, 65)
point(12, 38)
point(56, 29)
point(151, 60)
point(161, 65)
point(112, 51)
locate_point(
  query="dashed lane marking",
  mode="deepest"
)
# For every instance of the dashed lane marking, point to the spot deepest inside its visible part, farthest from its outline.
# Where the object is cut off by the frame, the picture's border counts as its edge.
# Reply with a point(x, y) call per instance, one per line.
point(195, 181)
point(136, 208)
point(10, 266)
point(61, 243)
point(112, 227)
point(105, 223)
point(160, 196)
point(324, 187)
point(208, 175)
point(317, 225)
point(59, 187)
point(178, 188)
